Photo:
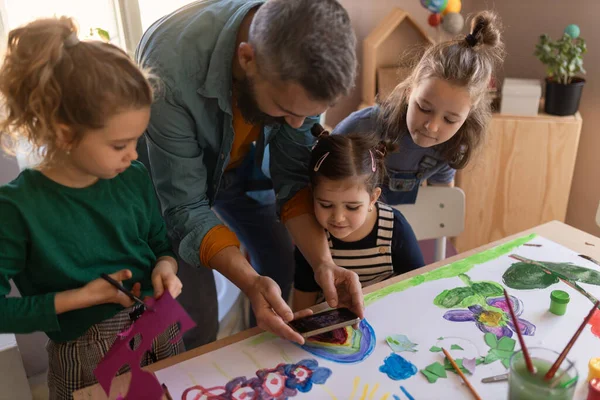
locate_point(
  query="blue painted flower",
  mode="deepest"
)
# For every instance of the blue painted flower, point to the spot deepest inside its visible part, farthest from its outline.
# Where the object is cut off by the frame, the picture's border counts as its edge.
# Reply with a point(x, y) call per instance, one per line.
point(304, 374)
point(397, 367)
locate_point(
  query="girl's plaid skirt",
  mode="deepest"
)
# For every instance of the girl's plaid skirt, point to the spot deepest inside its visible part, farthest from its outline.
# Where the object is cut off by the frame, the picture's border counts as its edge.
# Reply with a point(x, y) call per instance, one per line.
point(71, 364)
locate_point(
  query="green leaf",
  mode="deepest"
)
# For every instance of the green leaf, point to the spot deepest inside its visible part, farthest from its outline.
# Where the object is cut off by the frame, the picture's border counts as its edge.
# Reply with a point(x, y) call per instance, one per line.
point(506, 362)
point(488, 289)
point(432, 378)
point(491, 340)
point(103, 34)
point(459, 363)
point(479, 360)
point(437, 369)
point(490, 358)
point(523, 276)
point(502, 353)
point(506, 343)
point(440, 338)
point(435, 349)
point(460, 297)
point(575, 272)
point(455, 347)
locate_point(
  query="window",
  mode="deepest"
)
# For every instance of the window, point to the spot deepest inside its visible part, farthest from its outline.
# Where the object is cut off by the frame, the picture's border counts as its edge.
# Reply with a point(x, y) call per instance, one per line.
point(152, 10)
point(89, 14)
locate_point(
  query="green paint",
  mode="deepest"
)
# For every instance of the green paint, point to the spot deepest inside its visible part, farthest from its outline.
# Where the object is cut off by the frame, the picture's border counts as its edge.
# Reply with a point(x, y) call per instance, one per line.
point(463, 297)
point(558, 302)
point(455, 347)
point(435, 349)
point(523, 276)
point(440, 338)
point(448, 271)
point(490, 339)
point(262, 338)
point(501, 349)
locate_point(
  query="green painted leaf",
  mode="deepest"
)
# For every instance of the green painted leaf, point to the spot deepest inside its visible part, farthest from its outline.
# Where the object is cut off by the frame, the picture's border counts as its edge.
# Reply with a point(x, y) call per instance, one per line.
point(490, 358)
point(432, 378)
point(506, 362)
point(437, 369)
point(491, 340)
point(502, 353)
point(575, 272)
point(506, 343)
point(522, 276)
point(480, 360)
point(488, 289)
point(435, 349)
point(455, 347)
point(460, 297)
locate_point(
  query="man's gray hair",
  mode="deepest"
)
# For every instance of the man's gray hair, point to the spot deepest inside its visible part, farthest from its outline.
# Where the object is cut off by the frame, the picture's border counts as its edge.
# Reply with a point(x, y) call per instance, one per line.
point(309, 42)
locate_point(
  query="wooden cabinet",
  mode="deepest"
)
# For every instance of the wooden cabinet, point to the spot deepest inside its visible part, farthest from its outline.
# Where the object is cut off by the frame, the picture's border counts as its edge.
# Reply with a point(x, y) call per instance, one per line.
point(520, 179)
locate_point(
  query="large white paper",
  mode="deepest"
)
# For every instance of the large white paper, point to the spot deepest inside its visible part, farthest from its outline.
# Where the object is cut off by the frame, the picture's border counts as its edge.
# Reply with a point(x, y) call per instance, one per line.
point(407, 308)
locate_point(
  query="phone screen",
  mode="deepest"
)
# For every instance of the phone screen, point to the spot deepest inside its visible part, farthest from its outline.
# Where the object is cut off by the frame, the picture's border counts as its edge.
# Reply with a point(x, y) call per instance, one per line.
point(323, 320)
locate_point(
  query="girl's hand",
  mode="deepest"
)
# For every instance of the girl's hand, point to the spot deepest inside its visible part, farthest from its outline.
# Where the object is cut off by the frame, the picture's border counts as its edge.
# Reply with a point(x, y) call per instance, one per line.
point(164, 277)
point(100, 291)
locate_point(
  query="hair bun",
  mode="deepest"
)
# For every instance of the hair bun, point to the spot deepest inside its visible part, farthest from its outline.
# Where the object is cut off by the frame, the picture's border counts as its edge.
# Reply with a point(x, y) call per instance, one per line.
point(485, 29)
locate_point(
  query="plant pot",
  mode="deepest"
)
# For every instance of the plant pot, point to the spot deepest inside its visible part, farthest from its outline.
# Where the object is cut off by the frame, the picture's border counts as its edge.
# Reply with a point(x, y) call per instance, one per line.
point(563, 99)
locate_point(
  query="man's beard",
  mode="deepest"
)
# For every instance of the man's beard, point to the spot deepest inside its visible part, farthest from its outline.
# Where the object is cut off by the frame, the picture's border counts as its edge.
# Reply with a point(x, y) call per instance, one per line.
point(246, 102)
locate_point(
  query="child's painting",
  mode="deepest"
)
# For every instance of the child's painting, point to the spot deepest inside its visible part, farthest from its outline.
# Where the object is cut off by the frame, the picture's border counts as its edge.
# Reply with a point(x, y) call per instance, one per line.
point(396, 353)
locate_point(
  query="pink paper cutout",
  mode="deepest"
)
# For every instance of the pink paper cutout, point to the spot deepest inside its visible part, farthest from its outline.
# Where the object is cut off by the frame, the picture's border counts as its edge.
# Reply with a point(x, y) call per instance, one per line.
point(469, 364)
point(144, 385)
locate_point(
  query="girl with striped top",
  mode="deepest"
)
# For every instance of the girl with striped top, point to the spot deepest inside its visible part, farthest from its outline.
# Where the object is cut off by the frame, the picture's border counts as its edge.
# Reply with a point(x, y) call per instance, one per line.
point(365, 236)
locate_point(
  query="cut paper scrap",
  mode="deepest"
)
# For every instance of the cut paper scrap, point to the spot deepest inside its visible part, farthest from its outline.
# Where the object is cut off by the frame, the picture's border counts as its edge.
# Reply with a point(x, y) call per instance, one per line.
point(455, 347)
point(282, 382)
point(143, 384)
point(434, 371)
point(501, 349)
point(435, 349)
point(469, 364)
point(460, 363)
point(397, 367)
point(345, 345)
point(400, 343)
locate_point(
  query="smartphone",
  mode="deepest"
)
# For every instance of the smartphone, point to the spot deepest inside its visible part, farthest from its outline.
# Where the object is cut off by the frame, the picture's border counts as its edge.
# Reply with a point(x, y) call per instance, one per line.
point(324, 322)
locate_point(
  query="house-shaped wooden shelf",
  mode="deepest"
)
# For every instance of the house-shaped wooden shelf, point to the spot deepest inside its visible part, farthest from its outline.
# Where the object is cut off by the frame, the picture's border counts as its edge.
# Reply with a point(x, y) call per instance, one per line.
point(382, 50)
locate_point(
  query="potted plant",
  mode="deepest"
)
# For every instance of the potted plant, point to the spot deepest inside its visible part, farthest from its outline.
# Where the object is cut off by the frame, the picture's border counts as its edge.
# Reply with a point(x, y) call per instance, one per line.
point(563, 59)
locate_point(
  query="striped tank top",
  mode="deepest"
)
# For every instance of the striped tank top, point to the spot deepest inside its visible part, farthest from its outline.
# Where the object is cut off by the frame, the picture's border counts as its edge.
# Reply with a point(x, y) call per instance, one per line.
point(374, 264)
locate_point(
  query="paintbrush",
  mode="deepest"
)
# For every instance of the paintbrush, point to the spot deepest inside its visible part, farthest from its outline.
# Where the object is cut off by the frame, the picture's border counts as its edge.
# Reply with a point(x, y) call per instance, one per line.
point(459, 372)
point(557, 380)
point(166, 392)
point(125, 291)
point(515, 322)
point(550, 374)
point(560, 276)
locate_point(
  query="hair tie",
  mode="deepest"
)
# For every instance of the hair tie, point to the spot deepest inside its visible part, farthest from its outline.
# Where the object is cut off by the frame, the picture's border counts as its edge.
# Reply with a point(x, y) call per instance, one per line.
point(320, 162)
point(471, 40)
point(71, 41)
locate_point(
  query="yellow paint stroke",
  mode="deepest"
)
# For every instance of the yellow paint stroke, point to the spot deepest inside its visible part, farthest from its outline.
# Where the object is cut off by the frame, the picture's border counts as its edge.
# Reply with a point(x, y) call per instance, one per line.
point(194, 382)
point(365, 390)
point(372, 395)
point(251, 357)
point(328, 391)
point(284, 355)
point(354, 387)
point(385, 396)
point(218, 368)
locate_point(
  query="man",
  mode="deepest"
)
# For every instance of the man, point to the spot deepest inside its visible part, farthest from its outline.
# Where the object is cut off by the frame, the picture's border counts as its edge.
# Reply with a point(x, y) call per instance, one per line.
point(238, 77)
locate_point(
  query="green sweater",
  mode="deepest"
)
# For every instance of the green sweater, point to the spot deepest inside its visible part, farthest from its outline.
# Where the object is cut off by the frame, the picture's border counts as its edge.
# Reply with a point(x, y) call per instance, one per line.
point(54, 238)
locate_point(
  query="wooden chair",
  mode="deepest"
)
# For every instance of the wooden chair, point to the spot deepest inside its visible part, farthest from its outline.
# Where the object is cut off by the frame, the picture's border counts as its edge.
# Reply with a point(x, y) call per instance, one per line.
point(438, 213)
